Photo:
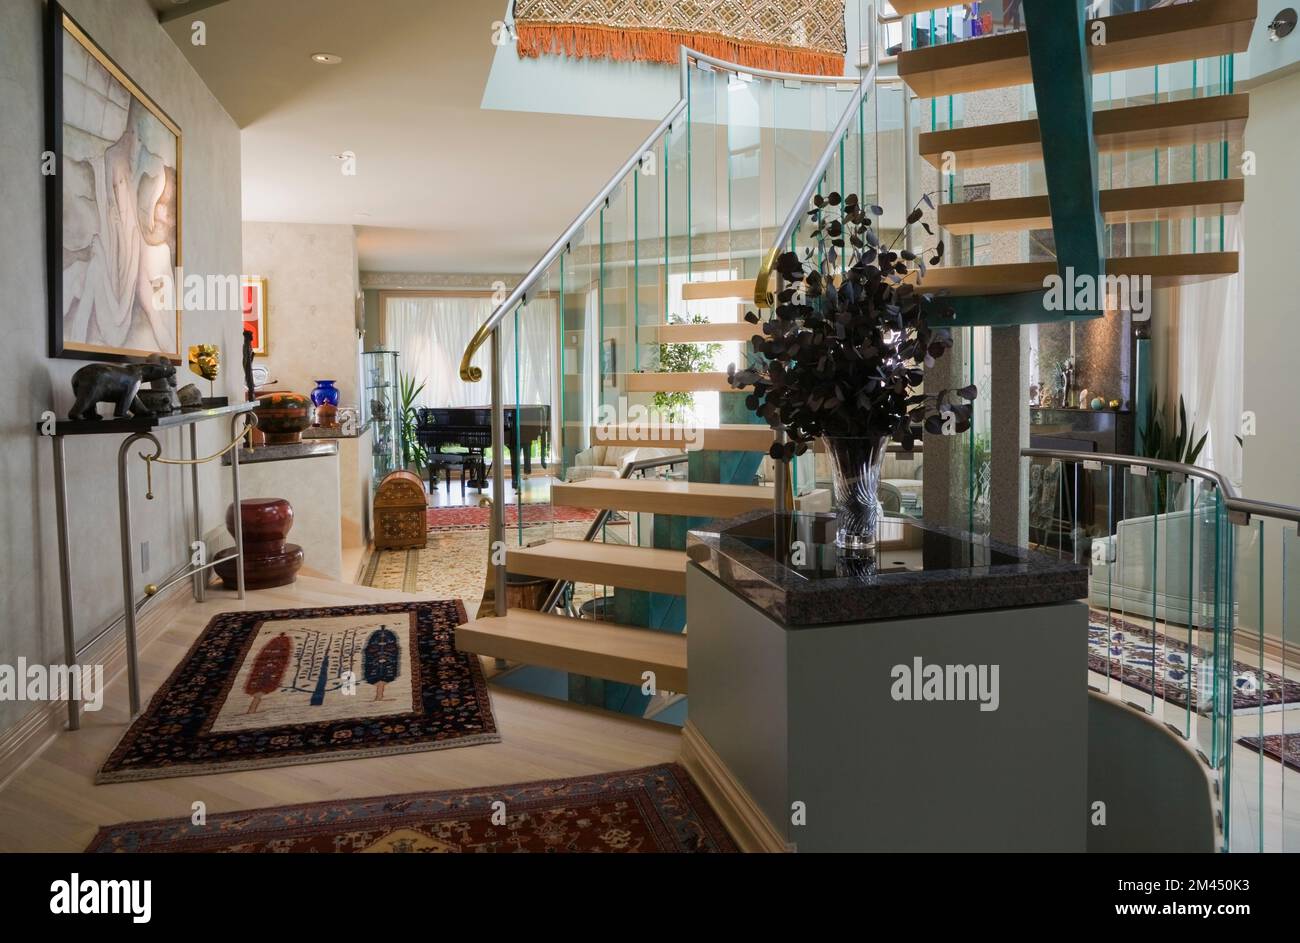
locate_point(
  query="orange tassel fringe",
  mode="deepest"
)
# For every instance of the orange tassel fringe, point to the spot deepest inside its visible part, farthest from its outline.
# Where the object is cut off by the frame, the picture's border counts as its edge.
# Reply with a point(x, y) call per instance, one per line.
point(626, 44)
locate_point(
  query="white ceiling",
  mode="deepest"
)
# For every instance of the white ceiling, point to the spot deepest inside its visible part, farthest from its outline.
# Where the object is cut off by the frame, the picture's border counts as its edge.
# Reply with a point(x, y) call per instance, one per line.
point(442, 185)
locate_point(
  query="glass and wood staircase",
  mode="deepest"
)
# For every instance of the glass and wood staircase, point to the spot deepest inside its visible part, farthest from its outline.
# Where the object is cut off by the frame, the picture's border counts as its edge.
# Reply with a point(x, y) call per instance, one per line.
point(646, 445)
point(1112, 159)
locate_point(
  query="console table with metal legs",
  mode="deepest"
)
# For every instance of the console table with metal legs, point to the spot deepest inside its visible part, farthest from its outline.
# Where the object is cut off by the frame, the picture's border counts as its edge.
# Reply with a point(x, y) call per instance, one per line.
point(140, 430)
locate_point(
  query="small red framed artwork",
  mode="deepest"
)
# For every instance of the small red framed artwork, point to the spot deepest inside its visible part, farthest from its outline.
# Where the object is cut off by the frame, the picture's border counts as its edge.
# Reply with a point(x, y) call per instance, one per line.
point(252, 292)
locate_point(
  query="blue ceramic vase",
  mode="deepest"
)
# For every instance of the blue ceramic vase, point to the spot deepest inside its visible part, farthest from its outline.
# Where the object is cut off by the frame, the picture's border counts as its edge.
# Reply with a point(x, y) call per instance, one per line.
point(325, 394)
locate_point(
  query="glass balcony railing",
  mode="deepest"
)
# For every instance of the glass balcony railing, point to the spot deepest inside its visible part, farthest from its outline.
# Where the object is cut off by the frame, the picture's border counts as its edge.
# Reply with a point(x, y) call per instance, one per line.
point(1193, 617)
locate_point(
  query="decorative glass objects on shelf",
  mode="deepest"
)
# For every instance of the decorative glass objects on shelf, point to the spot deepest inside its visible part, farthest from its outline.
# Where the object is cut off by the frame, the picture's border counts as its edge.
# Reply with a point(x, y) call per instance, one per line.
point(380, 408)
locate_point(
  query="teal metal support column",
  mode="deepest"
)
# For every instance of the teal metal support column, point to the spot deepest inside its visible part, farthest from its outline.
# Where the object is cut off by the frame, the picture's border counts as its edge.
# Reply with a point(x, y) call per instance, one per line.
point(1143, 390)
point(1058, 39)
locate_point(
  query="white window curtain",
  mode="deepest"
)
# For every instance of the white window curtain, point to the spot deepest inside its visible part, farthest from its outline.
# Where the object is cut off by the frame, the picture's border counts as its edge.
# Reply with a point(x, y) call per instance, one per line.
point(1211, 328)
point(430, 334)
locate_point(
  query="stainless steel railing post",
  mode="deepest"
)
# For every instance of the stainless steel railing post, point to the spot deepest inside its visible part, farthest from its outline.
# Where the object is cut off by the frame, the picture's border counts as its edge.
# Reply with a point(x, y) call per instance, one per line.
point(498, 529)
point(200, 575)
point(128, 563)
point(238, 510)
point(65, 573)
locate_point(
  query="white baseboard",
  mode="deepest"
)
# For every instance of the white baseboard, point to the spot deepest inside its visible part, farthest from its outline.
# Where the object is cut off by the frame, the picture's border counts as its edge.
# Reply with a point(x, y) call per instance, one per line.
point(23, 741)
point(739, 813)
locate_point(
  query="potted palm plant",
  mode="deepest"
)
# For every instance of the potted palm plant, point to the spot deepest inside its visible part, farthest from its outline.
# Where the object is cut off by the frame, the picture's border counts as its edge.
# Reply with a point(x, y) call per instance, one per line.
point(843, 356)
point(414, 455)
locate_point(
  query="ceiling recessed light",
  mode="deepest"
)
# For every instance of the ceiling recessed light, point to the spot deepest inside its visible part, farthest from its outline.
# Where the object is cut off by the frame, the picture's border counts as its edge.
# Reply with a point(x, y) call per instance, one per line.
point(326, 58)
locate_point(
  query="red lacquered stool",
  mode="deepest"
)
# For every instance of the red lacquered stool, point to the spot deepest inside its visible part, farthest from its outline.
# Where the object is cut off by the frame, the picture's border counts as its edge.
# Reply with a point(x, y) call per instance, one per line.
point(268, 560)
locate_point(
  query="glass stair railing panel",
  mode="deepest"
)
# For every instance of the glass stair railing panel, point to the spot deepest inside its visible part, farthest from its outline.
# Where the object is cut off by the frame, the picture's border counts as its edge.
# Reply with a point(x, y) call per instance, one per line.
point(707, 167)
point(1284, 732)
point(1263, 735)
point(531, 354)
point(581, 381)
point(616, 289)
point(1252, 692)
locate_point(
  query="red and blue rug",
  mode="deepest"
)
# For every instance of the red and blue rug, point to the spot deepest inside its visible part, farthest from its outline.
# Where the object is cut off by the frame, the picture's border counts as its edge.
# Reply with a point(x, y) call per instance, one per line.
point(282, 687)
point(472, 518)
point(657, 809)
point(1283, 747)
point(1167, 668)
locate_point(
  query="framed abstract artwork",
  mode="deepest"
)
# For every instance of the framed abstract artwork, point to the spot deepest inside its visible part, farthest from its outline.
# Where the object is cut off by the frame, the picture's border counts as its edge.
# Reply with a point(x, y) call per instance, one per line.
point(252, 293)
point(113, 206)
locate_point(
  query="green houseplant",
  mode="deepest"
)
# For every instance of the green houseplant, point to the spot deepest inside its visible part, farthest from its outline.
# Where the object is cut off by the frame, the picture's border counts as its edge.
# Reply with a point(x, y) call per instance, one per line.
point(1182, 447)
point(843, 355)
point(413, 453)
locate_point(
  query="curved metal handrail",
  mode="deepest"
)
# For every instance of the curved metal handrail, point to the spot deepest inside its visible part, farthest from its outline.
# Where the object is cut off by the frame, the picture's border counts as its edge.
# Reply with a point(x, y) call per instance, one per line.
point(800, 207)
point(1231, 500)
point(472, 374)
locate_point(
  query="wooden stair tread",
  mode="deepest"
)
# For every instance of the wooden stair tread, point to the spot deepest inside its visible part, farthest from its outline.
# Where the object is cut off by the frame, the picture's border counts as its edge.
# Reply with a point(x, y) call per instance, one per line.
point(740, 288)
point(582, 646)
point(702, 333)
point(658, 496)
point(652, 382)
point(730, 288)
point(1122, 204)
point(1133, 41)
point(647, 568)
point(907, 7)
point(1165, 271)
point(1137, 127)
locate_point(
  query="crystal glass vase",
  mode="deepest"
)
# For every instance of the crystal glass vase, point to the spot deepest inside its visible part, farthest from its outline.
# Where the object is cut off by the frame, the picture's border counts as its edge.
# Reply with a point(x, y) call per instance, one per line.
point(855, 472)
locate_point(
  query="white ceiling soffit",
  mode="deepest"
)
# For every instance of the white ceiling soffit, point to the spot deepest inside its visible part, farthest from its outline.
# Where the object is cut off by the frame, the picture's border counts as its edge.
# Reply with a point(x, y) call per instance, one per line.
point(594, 87)
point(441, 183)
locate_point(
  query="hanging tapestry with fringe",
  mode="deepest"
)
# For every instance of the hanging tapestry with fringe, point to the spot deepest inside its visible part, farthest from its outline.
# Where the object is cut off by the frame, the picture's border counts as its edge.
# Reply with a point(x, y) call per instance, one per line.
point(804, 36)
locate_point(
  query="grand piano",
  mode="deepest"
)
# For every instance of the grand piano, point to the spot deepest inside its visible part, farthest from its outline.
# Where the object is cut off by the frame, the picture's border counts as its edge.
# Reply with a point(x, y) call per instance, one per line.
point(470, 427)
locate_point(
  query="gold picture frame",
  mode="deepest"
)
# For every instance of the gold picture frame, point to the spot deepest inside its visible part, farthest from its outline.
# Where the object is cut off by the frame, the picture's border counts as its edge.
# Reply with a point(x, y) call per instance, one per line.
point(119, 165)
point(256, 312)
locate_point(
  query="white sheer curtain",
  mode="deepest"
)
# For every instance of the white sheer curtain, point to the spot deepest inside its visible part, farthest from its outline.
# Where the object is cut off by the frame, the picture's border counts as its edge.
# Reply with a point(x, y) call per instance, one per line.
point(430, 334)
point(1211, 326)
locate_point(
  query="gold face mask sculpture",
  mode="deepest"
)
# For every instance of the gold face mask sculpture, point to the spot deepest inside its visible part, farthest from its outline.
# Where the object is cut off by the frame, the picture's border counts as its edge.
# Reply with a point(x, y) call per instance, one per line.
point(205, 360)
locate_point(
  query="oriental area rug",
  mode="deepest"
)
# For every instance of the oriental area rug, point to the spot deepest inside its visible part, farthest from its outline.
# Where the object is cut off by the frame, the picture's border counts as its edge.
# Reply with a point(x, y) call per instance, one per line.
point(470, 518)
point(1282, 747)
point(1169, 669)
point(282, 687)
point(454, 561)
point(657, 809)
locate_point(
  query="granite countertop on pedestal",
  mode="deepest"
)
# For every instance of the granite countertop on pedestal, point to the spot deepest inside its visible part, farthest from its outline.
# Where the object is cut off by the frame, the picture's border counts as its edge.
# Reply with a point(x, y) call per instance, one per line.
point(918, 569)
point(282, 453)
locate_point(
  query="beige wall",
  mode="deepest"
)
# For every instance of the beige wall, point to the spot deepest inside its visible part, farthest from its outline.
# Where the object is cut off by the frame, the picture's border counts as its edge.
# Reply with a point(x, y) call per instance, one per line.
point(311, 288)
point(1271, 458)
point(30, 383)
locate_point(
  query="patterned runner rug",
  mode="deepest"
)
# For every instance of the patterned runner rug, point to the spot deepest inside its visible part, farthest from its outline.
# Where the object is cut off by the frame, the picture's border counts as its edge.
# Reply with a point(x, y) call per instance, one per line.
point(454, 563)
point(282, 687)
point(1169, 669)
point(469, 518)
point(1284, 748)
point(656, 809)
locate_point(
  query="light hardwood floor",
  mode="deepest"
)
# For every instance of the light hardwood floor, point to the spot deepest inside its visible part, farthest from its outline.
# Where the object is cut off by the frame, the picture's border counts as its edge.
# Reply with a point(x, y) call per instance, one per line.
point(52, 804)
